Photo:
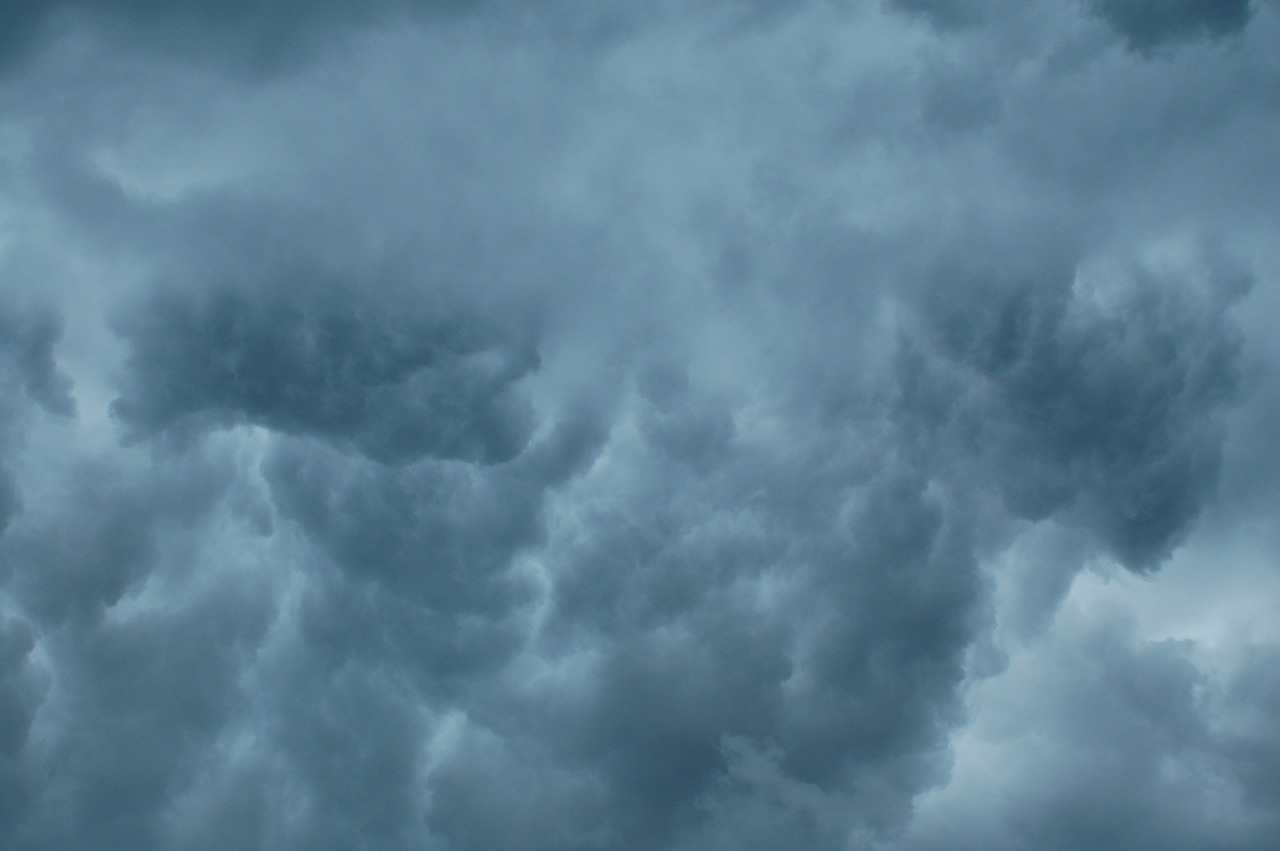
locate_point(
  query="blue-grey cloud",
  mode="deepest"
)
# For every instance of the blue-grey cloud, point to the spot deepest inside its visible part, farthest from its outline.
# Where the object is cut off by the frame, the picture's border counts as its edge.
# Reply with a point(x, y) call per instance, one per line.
point(1124, 743)
point(1104, 415)
point(705, 426)
point(944, 14)
point(256, 37)
point(391, 386)
point(19, 697)
point(1145, 26)
point(28, 374)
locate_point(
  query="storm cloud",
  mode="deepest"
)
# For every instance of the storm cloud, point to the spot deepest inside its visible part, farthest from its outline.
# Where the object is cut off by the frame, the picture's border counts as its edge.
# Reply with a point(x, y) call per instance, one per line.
point(704, 426)
point(393, 393)
point(1145, 26)
point(253, 36)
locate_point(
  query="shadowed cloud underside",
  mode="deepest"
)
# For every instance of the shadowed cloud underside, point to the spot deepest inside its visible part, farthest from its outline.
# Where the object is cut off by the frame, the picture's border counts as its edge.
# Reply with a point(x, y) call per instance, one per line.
point(446, 425)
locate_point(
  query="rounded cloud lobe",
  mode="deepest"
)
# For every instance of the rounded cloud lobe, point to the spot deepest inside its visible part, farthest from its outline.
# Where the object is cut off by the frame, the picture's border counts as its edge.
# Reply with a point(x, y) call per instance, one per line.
point(696, 428)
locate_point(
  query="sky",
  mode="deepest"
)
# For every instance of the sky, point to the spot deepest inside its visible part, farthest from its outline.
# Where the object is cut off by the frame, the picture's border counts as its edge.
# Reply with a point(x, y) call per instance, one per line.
point(718, 424)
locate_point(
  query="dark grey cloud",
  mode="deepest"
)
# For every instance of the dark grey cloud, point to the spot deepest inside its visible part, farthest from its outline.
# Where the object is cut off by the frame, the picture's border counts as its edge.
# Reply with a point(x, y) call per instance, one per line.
point(27, 340)
point(10, 500)
point(423, 554)
point(394, 387)
point(1146, 26)
point(99, 540)
point(19, 697)
point(1105, 414)
point(118, 711)
point(689, 668)
point(250, 36)
point(20, 23)
point(1249, 743)
point(706, 426)
point(28, 373)
point(132, 738)
point(944, 14)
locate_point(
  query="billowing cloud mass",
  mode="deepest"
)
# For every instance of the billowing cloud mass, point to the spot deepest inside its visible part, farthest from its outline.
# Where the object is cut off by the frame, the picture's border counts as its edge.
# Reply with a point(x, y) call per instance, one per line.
point(456, 425)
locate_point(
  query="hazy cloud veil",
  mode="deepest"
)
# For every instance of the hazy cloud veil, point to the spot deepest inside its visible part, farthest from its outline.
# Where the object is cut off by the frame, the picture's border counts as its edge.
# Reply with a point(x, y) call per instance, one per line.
point(706, 425)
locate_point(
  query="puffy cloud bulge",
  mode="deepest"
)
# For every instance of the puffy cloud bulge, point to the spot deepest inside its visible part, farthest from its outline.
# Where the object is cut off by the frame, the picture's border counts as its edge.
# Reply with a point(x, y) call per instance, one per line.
point(684, 426)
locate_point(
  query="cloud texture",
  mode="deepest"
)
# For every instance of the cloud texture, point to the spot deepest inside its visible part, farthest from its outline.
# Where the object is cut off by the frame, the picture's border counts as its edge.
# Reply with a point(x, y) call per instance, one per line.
point(690, 426)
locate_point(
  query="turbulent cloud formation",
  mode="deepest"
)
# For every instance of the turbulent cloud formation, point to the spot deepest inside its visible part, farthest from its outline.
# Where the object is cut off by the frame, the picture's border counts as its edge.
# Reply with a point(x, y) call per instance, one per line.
point(1096, 413)
point(395, 393)
point(698, 426)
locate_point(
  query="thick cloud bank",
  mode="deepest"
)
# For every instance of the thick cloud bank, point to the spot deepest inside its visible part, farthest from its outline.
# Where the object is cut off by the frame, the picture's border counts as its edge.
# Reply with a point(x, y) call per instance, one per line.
point(448, 425)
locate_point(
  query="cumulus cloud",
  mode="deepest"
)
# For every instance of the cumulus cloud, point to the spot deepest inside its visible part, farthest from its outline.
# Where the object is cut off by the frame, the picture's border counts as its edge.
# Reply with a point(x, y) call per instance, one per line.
point(449, 426)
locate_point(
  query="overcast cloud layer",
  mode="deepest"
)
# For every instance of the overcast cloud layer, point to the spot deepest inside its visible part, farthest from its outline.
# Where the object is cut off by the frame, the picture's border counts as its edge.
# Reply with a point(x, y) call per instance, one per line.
point(706, 425)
